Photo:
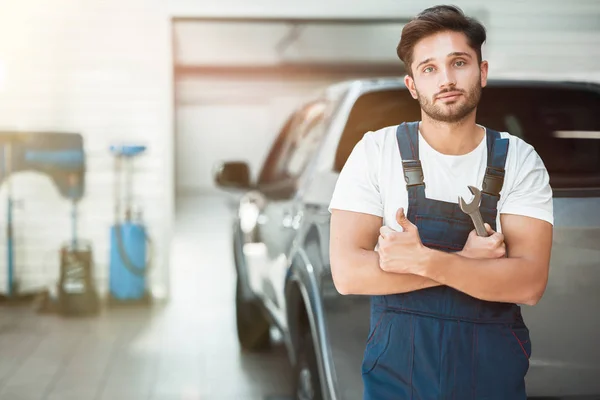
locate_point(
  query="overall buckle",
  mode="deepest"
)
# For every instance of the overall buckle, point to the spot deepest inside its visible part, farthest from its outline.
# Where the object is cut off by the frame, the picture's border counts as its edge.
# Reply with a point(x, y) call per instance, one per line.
point(493, 181)
point(413, 173)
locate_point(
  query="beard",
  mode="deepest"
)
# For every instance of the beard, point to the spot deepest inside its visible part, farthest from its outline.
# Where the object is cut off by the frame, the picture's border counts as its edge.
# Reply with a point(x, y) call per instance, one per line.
point(454, 112)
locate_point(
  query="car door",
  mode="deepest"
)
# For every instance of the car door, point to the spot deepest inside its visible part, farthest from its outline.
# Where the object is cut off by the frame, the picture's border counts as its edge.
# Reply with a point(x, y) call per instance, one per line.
point(254, 223)
point(281, 216)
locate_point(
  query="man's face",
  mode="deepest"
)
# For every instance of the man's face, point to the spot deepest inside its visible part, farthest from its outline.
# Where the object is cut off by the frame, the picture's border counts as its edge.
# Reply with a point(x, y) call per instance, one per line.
point(447, 78)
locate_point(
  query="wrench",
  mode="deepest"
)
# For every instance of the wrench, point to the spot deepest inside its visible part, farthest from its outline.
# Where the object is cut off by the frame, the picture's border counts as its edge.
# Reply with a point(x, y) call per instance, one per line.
point(472, 209)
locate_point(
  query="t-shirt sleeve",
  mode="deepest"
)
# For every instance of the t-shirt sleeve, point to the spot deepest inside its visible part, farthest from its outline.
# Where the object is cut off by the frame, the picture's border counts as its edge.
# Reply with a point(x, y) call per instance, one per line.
point(357, 187)
point(530, 193)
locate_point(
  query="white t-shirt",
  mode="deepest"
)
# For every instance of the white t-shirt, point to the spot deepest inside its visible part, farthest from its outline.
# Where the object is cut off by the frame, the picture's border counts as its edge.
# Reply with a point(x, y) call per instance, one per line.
point(372, 180)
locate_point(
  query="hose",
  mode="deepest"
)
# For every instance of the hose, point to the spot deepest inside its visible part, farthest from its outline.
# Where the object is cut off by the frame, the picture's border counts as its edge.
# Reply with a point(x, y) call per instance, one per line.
point(137, 271)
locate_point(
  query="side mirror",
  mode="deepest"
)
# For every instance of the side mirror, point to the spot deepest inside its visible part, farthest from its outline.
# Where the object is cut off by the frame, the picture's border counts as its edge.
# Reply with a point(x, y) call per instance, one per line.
point(232, 175)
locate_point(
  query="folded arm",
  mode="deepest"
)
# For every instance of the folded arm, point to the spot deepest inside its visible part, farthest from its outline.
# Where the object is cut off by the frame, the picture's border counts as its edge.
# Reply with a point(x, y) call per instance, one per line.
point(520, 278)
point(355, 263)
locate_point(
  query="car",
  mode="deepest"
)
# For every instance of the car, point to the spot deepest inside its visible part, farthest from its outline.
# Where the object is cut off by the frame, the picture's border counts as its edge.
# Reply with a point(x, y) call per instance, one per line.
point(280, 233)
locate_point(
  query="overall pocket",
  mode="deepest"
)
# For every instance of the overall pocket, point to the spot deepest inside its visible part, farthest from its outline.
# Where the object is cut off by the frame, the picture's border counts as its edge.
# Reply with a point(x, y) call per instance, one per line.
point(519, 343)
point(520, 335)
point(442, 233)
point(377, 342)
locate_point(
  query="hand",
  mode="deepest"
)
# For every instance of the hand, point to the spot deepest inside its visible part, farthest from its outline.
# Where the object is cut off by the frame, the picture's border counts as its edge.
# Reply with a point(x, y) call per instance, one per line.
point(400, 252)
point(484, 247)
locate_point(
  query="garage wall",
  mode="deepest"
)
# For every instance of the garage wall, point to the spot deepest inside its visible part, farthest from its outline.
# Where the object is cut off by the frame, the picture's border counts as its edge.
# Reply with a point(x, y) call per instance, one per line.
point(100, 68)
point(211, 108)
point(539, 37)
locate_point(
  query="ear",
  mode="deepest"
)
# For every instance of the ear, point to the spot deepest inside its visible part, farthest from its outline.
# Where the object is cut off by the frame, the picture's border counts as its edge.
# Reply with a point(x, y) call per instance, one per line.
point(484, 67)
point(410, 84)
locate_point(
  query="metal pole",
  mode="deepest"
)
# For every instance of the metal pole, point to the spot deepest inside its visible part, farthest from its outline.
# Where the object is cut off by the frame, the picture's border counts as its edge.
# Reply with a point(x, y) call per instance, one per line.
point(117, 189)
point(128, 188)
point(74, 225)
point(9, 217)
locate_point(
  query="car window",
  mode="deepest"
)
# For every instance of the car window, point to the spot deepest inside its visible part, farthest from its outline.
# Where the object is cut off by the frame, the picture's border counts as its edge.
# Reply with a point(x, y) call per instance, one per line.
point(268, 174)
point(296, 144)
point(305, 140)
point(561, 122)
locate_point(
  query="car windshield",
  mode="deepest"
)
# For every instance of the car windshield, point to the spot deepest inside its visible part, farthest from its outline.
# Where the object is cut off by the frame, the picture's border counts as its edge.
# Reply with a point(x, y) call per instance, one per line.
point(562, 122)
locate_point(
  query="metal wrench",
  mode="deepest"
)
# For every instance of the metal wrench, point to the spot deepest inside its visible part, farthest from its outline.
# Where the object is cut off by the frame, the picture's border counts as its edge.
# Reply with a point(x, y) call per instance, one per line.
point(472, 209)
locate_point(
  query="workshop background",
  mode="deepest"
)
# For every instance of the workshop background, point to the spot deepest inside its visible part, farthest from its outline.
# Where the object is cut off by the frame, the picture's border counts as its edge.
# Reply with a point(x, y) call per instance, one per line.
point(194, 82)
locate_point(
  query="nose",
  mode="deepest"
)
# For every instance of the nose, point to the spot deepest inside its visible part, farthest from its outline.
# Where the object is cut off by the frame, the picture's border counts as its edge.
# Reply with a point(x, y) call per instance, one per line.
point(447, 79)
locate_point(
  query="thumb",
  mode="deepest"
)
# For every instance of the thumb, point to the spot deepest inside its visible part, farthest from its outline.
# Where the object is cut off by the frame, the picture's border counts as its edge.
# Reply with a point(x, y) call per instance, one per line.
point(488, 228)
point(406, 225)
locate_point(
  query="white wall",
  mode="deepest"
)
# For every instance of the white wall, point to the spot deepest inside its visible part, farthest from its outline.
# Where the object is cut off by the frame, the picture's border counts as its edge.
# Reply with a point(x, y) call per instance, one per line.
point(100, 68)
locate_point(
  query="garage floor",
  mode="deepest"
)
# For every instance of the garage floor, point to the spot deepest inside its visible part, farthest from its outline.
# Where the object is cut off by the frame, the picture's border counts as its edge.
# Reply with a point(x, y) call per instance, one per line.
point(185, 350)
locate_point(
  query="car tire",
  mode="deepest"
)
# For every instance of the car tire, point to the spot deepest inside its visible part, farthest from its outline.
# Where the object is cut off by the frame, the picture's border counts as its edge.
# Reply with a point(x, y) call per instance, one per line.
point(253, 326)
point(307, 384)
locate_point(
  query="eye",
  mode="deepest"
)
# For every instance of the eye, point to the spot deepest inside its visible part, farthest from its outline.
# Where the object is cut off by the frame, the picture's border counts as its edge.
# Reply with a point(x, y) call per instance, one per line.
point(460, 63)
point(428, 69)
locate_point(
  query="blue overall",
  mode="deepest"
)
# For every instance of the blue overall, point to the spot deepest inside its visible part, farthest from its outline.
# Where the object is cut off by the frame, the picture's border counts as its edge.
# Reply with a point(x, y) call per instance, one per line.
point(440, 343)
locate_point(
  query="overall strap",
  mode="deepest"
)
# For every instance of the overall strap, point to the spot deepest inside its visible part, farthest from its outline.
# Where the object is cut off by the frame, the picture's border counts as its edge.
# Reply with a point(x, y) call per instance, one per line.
point(407, 135)
point(494, 173)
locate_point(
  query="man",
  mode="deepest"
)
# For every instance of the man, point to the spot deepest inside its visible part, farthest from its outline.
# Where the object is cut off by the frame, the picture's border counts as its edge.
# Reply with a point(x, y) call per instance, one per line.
point(445, 319)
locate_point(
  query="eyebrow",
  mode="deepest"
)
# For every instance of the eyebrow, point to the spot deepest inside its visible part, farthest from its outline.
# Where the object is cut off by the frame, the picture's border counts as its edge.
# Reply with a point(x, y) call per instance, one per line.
point(424, 61)
point(454, 54)
point(459, 53)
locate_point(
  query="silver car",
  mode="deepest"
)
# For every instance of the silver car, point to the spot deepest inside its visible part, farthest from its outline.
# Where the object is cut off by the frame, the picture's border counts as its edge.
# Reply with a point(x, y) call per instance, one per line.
point(281, 232)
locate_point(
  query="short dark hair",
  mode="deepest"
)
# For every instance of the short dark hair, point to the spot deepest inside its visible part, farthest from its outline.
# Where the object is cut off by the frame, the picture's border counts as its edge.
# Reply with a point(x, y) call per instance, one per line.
point(438, 19)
